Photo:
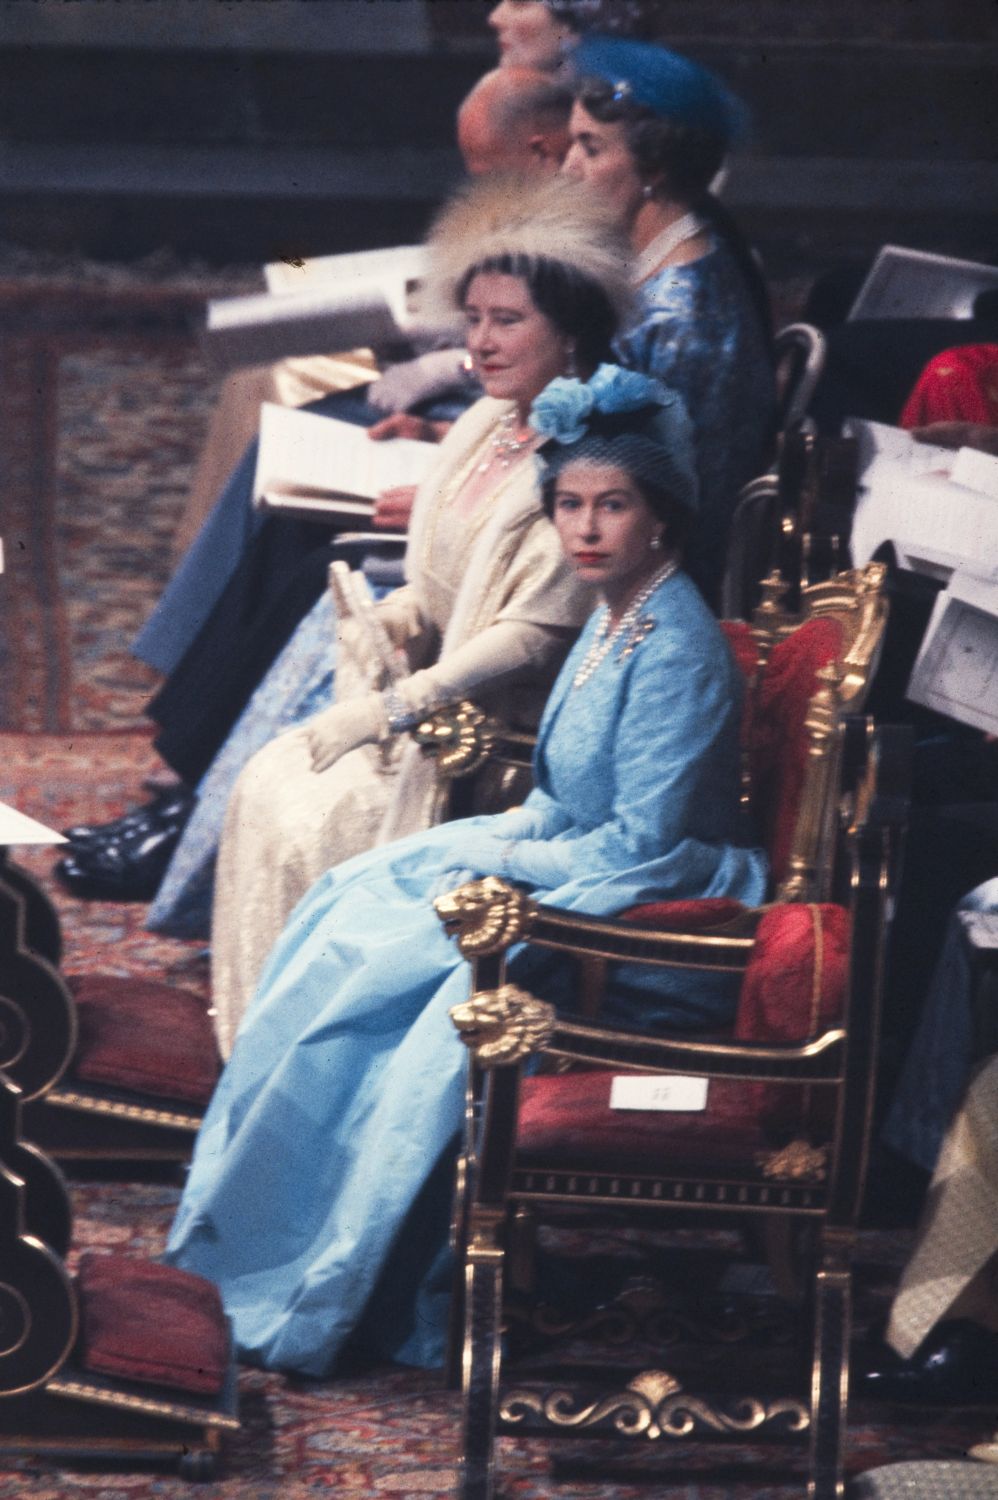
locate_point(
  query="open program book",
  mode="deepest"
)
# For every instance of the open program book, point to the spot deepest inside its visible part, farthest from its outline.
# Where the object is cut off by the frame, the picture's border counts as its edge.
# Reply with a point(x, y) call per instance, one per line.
point(324, 469)
point(319, 307)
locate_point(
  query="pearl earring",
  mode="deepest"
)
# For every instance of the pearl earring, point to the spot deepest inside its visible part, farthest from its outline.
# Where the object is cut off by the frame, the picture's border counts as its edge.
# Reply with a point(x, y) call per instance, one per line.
point(656, 543)
point(571, 368)
point(647, 190)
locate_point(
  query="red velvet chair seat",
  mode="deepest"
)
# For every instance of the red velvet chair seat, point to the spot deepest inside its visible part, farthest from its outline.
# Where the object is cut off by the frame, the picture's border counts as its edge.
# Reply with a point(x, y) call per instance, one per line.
point(794, 987)
point(565, 1120)
point(144, 1037)
point(153, 1324)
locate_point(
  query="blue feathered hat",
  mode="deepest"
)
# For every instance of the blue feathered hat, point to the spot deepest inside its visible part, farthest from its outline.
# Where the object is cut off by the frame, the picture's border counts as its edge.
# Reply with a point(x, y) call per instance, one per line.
point(671, 86)
point(619, 417)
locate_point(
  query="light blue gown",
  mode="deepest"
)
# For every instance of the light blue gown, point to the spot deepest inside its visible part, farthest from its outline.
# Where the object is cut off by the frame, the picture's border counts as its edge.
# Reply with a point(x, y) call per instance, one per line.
point(320, 1171)
point(699, 333)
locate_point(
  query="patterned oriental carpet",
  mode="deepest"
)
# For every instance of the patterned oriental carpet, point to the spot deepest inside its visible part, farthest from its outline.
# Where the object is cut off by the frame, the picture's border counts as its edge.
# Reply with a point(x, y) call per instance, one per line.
point(74, 750)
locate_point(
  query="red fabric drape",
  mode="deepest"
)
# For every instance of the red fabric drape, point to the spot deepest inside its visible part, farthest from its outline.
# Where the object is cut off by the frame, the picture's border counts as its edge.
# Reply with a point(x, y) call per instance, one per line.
point(958, 385)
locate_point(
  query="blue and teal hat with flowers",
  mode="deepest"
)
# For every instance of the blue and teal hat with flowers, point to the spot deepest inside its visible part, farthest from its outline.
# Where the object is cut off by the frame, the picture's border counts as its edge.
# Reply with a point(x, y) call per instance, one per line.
point(671, 86)
point(623, 418)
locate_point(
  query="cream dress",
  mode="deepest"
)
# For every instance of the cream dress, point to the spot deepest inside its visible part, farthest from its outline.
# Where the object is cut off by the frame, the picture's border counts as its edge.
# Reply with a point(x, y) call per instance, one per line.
point(495, 577)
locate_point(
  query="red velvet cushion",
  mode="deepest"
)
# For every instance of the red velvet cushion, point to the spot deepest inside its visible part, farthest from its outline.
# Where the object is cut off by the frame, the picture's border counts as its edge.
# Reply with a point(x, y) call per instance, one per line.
point(566, 1120)
point(145, 1037)
point(794, 988)
point(779, 740)
point(744, 649)
point(684, 916)
point(146, 1322)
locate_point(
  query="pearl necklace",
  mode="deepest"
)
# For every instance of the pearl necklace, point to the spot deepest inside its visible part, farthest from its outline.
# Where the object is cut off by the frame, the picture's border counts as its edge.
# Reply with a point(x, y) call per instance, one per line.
point(629, 627)
point(662, 246)
point(504, 443)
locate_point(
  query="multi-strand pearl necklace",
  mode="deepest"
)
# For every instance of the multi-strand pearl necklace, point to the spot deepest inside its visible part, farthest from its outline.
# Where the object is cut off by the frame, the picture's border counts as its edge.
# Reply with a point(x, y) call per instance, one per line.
point(628, 628)
point(504, 444)
point(662, 246)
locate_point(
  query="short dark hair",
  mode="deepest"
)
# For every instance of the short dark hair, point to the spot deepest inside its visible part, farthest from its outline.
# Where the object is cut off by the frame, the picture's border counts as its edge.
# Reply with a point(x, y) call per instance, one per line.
point(576, 305)
point(687, 158)
point(676, 518)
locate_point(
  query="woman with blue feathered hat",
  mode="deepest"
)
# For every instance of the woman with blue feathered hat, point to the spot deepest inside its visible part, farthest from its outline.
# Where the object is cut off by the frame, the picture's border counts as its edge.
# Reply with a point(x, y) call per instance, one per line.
point(322, 1169)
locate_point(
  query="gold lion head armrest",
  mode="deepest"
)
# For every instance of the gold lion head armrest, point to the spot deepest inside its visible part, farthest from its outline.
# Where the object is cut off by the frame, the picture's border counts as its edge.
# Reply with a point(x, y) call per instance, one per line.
point(485, 916)
point(503, 1026)
point(459, 736)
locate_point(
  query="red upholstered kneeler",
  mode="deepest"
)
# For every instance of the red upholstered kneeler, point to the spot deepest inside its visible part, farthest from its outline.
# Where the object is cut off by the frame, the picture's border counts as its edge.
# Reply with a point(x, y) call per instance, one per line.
point(151, 1323)
point(145, 1037)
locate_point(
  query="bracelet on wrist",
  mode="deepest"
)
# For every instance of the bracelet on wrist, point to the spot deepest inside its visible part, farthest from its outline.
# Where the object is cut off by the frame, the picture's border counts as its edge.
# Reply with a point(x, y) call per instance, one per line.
point(398, 715)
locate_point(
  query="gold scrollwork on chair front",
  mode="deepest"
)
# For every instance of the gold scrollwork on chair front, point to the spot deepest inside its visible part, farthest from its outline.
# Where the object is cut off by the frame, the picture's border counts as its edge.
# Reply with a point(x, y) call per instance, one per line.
point(797, 1162)
point(503, 1026)
point(459, 736)
point(485, 916)
point(653, 1405)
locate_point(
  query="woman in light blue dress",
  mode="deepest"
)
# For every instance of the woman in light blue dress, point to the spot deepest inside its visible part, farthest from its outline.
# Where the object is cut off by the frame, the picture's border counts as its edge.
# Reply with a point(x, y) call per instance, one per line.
point(320, 1170)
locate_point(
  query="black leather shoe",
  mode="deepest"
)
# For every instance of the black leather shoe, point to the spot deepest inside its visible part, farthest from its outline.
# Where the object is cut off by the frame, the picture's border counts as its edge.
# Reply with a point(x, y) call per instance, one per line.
point(163, 809)
point(128, 870)
point(956, 1364)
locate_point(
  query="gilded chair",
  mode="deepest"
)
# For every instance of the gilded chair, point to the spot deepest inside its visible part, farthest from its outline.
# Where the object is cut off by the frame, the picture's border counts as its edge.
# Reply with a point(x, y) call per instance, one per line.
point(128, 1359)
point(780, 1139)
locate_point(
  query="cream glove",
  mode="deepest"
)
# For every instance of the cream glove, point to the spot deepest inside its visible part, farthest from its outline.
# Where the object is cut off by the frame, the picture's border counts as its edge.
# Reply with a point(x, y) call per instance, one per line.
point(405, 385)
point(344, 727)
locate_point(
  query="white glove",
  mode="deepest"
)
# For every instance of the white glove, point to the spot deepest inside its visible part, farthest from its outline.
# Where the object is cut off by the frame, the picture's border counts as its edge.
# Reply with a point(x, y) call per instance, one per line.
point(482, 851)
point(342, 728)
point(405, 385)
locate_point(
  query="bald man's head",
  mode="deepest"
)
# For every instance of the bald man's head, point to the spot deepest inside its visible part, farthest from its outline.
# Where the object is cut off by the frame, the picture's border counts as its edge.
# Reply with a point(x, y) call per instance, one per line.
point(514, 119)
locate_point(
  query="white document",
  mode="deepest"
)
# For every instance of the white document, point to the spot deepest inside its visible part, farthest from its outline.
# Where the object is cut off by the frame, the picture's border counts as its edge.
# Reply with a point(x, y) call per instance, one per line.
point(908, 497)
point(346, 315)
point(976, 471)
point(660, 1091)
point(956, 671)
point(17, 828)
point(405, 263)
point(919, 284)
point(331, 467)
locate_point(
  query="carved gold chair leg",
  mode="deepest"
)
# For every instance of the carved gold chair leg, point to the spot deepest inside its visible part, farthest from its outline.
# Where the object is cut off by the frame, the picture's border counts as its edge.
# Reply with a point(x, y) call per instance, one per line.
point(482, 1352)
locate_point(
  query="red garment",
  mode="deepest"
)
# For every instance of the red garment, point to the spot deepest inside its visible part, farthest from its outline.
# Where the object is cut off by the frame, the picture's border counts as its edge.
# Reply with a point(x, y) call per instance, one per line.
point(958, 385)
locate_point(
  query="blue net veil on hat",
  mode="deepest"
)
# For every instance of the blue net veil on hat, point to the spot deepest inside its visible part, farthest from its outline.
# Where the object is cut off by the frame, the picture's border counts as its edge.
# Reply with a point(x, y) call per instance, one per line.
point(671, 86)
point(622, 418)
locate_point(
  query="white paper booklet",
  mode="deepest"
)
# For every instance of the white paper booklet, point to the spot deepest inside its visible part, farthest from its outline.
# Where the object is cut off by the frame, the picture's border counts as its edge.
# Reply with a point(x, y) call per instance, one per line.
point(909, 496)
point(261, 329)
point(17, 828)
point(907, 283)
point(956, 670)
point(405, 263)
point(313, 465)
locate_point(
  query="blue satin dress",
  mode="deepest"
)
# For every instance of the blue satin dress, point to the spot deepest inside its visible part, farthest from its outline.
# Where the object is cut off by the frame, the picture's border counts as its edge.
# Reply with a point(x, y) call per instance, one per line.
point(699, 332)
point(317, 1198)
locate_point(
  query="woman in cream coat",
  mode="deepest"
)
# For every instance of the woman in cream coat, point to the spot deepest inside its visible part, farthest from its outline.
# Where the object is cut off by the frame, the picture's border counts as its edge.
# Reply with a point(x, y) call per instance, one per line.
point(489, 607)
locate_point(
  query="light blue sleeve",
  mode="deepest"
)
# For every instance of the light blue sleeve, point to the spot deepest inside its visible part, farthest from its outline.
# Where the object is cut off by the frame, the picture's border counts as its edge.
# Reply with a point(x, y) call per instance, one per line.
point(540, 817)
point(674, 740)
